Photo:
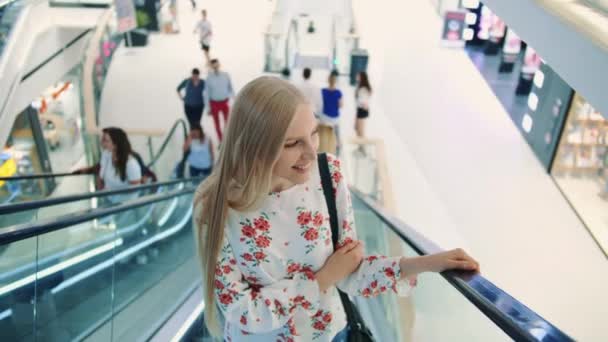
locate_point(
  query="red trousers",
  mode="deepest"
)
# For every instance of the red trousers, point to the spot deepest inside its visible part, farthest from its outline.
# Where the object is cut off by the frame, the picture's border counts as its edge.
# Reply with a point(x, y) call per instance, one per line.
point(216, 108)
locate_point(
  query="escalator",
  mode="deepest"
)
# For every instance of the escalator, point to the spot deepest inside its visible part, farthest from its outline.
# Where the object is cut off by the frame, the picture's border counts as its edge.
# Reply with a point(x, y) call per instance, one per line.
point(138, 278)
point(26, 188)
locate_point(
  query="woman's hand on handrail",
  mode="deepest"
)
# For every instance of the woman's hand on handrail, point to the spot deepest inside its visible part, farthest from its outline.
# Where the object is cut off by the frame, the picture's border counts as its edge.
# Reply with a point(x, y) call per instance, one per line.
point(456, 259)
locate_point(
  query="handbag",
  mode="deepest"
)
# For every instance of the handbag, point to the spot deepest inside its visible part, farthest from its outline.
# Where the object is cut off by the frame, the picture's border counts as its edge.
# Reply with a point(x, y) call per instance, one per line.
point(358, 331)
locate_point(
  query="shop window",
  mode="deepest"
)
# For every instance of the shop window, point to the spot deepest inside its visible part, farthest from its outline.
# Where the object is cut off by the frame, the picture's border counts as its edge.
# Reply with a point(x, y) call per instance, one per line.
point(59, 114)
point(580, 167)
point(23, 155)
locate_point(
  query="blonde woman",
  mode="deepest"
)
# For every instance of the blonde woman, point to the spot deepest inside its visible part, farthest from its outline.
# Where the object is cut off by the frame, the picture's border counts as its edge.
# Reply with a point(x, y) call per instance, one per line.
point(269, 267)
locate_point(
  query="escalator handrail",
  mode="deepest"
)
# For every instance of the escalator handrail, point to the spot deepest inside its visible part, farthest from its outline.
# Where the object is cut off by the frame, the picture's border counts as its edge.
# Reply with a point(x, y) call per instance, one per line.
point(513, 317)
point(179, 122)
point(23, 206)
point(42, 175)
point(24, 231)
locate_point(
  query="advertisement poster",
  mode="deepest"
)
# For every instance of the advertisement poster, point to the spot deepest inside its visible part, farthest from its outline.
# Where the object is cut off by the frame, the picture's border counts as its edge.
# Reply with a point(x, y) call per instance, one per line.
point(453, 28)
point(512, 45)
point(485, 23)
point(510, 52)
point(125, 15)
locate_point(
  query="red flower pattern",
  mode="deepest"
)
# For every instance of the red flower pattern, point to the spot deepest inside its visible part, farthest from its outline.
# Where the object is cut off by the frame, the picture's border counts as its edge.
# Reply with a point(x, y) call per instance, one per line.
point(337, 176)
point(311, 234)
point(318, 220)
point(345, 242)
point(247, 257)
point(225, 298)
point(319, 325)
point(262, 242)
point(248, 231)
point(293, 268)
point(304, 218)
point(261, 224)
point(260, 255)
point(389, 272)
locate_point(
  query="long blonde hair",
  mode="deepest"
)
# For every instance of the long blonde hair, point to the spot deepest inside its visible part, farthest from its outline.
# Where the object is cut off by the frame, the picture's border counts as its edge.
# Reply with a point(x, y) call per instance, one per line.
point(241, 179)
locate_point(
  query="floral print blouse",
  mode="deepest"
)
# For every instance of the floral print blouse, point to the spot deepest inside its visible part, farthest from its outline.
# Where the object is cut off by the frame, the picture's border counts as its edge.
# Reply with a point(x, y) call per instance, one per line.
point(265, 282)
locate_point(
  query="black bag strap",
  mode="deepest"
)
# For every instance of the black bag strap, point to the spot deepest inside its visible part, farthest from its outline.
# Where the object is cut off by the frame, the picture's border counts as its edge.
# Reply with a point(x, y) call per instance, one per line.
point(352, 316)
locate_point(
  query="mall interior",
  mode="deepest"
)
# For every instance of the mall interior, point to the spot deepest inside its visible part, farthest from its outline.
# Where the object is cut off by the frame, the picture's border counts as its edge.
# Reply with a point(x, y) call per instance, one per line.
point(487, 131)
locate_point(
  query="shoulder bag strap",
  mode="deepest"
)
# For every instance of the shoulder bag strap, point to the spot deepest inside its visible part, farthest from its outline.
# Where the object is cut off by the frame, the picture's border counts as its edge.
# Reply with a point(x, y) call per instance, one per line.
point(328, 191)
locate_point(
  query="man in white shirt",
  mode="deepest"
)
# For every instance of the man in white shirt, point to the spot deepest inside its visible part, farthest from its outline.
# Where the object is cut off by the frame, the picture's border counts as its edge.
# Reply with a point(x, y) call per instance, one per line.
point(311, 91)
point(203, 27)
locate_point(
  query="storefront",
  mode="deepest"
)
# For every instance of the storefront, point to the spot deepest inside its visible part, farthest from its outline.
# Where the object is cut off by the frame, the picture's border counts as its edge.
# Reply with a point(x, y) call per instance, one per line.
point(580, 167)
point(59, 113)
point(24, 153)
point(46, 137)
point(567, 135)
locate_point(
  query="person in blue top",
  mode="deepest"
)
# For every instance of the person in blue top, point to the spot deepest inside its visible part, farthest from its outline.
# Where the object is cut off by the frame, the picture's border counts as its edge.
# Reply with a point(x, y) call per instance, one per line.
point(194, 97)
point(199, 149)
point(332, 102)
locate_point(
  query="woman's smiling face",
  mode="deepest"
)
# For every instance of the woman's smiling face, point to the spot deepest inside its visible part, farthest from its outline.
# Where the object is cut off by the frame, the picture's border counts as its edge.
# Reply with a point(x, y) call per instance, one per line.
point(299, 152)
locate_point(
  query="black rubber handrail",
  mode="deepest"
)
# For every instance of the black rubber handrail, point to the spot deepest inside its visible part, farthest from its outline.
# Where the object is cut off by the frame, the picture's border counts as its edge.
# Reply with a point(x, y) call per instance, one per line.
point(43, 175)
point(23, 206)
point(40, 227)
point(513, 317)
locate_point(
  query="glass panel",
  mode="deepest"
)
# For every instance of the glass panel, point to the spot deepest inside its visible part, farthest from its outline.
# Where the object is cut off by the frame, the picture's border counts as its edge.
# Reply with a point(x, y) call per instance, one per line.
point(101, 278)
point(167, 159)
point(435, 311)
point(9, 12)
point(74, 282)
point(156, 258)
point(17, 269)
point(275, 40)
point(20, 156)
point(364, 168)
point(346, 41)
point(580, 167)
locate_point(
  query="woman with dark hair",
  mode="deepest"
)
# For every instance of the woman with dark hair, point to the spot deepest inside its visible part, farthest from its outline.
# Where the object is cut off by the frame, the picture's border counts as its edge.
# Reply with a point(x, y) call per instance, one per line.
point(118, 166)
point(199, 151)
point(362, 97)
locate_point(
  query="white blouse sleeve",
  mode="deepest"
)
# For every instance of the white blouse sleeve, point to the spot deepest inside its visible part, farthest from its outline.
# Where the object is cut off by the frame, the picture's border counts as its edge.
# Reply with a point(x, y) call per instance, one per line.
point(377, 273)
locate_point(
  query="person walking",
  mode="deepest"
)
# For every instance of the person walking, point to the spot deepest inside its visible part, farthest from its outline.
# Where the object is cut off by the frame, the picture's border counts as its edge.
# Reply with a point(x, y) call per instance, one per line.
point(193, 98)
point(199, 150)
point(205, 33)
point(362, 97)
point(272, 266)
point(332, 102)
point(220, 91)
point(311, 90)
